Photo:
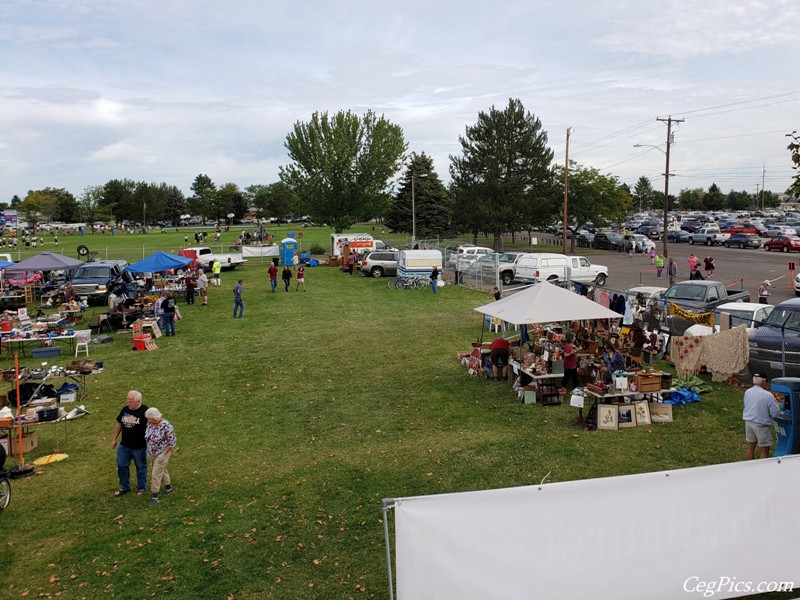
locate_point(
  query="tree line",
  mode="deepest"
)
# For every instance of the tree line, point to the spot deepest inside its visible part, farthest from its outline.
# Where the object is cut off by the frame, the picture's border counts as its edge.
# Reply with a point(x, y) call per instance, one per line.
point(345, 168)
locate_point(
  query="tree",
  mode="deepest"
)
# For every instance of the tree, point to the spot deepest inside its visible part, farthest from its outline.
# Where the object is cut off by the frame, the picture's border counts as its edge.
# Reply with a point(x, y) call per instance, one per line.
point(229, 200)
point(504, 166)
point(118, 199)
point(714, 199)
point(174, 204)
point(204, 192)
point(643, 193)
point(273, 200)
point(342, 165)
point(15, 201)
point(794, 149)
point(690, 199)
point(37, 207)
point(740, 200)
point(593, 197)
point(432, 204)
point(92, 207)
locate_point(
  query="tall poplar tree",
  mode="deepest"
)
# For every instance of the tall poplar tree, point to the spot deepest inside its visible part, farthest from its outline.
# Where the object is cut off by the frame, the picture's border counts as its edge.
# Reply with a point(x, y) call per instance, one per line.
point(504, 166)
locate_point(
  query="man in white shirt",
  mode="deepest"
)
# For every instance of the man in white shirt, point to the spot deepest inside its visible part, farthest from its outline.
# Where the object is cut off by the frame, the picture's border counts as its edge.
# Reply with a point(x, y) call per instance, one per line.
point(760, 408)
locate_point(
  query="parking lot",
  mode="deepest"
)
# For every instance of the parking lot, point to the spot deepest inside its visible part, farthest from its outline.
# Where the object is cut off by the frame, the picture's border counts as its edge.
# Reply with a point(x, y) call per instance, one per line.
point(733, 265)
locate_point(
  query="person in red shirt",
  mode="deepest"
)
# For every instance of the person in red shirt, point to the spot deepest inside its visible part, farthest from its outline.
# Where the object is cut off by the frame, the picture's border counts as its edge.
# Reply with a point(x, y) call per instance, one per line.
point(499, 357)
point(273, 276)
point(570, 362)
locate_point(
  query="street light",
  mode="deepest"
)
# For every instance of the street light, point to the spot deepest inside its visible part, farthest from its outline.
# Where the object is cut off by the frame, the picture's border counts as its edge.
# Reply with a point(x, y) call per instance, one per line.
point(414, 209)
point(666, 191)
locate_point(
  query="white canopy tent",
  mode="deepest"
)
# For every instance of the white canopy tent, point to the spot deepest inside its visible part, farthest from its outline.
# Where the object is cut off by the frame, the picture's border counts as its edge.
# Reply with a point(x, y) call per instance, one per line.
point(546, 303)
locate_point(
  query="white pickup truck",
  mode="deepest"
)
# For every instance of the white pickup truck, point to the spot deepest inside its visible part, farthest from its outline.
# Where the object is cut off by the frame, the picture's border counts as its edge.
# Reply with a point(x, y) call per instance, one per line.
point(205, 255)
point(709, 236)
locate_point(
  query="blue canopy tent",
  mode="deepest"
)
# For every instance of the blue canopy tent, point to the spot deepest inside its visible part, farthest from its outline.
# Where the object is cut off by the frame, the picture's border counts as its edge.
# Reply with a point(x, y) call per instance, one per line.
point(158, 263)
point(4, 264)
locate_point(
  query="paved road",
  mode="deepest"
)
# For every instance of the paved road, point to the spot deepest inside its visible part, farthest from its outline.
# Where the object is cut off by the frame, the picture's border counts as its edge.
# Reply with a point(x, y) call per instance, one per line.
point(752, 266)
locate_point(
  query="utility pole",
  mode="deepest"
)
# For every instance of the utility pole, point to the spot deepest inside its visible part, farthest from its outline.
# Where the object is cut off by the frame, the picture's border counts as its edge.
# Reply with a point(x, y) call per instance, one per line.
point(566, 196)
point(755, 200)
point(669, 121)
point(763, 175)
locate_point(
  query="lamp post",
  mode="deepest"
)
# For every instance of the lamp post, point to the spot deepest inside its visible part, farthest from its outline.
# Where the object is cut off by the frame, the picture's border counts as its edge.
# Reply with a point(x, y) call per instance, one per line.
point(666, 191)
point(414, 208)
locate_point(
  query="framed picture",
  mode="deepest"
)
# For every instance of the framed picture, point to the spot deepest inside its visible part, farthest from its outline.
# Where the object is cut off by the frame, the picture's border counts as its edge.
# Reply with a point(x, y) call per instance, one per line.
point(608, 416)
point(642, 411)
point(660, 413)
point(627, 416)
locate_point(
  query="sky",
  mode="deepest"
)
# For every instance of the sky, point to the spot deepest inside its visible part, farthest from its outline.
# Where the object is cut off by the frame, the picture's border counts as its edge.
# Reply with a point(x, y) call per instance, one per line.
point(94, 90)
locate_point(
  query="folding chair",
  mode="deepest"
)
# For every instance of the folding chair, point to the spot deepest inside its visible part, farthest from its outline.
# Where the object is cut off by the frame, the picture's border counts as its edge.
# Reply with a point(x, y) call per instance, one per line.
point(82, 341)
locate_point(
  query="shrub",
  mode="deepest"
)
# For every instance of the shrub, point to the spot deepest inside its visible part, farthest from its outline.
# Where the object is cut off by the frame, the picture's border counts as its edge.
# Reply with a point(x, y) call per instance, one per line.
point(317, 249)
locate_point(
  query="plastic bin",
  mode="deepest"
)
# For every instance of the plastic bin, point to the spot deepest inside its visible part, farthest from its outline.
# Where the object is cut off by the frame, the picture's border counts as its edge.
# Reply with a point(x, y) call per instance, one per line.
point(139, 341)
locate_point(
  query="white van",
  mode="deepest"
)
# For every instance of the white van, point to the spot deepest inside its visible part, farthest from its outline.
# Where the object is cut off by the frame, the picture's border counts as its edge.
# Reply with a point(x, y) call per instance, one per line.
point(544, 266)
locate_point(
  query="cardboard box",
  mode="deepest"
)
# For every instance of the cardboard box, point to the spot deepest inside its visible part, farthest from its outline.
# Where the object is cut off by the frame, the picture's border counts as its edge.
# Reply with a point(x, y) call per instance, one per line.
point(29, 442)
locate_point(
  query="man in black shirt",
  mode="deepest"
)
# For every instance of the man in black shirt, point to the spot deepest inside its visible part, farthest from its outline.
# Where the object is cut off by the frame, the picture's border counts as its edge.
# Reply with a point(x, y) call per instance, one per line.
point(131, 423)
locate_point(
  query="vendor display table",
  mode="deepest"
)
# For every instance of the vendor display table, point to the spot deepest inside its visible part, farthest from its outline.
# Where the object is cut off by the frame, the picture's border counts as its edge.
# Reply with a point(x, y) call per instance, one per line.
point(7, 341)
point(27, 427)
point(548, 385)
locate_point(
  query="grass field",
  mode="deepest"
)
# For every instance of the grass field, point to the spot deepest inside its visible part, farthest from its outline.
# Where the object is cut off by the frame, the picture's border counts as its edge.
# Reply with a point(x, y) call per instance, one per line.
point(293, 423)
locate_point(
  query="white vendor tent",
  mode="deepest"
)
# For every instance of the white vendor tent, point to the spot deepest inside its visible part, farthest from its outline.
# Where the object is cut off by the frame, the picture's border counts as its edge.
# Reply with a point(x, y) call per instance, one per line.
point(546, 303)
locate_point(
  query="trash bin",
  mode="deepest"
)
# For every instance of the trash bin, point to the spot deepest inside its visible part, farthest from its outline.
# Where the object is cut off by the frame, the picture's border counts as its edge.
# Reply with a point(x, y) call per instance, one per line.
point(787, 423)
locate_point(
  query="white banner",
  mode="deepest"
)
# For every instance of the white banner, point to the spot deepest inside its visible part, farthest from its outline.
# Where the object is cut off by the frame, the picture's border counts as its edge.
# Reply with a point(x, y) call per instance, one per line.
point(691, 533)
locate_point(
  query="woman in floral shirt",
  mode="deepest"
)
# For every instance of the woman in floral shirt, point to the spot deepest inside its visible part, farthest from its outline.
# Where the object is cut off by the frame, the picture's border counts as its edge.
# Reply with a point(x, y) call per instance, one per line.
point(160, 437)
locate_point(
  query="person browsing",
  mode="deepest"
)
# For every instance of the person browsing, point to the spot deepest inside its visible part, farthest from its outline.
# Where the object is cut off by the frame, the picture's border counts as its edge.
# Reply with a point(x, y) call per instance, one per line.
point(760, 408)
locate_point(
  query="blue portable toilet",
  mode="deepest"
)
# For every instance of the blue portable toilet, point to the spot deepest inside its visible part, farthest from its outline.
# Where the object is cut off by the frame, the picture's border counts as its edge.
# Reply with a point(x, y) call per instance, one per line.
point(787, 423)
point(288, 246)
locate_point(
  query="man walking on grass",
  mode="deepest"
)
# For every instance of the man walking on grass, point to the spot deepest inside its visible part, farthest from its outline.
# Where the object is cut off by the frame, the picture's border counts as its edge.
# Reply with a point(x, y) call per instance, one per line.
point(238, 303)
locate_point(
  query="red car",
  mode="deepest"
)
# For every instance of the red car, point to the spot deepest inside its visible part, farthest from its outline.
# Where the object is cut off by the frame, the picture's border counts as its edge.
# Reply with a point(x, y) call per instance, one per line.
point(783, 243)
point(739, 228)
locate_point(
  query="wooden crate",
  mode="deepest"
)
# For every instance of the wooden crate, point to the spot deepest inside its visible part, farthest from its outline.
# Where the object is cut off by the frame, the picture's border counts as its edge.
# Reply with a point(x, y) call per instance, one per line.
point(647, 383)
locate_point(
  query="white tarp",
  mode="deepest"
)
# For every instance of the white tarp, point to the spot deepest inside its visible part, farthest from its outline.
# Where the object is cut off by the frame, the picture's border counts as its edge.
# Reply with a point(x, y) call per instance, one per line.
point(546, 303)
point(667, 535)
point(256, 251)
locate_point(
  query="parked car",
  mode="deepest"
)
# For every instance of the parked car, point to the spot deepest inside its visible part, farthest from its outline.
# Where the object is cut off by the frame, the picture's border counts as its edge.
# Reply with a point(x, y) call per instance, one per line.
point(654, 232)
point(708, 236)
point(535, 267)
point(609, 241)
point(775, 346)
point(776, 230)
point(380, 263)
point(750, 314)
point(643, 243)
point(585, 239)
point(734, 228)
point(96, 280)
point(783, 243)
point(698, 297)
point(678, 236)
point(466, 254)
point(744, 240)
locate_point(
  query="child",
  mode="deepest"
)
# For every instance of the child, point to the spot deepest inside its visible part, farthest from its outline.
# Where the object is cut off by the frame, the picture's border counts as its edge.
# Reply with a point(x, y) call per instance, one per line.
point(709, 266)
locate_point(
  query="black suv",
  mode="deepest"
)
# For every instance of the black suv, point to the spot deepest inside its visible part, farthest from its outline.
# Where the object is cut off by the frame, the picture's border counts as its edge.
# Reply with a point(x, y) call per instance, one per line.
point(609, 241)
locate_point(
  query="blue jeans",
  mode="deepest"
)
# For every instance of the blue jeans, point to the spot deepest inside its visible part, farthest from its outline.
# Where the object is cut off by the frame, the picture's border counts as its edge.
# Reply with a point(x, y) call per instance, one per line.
point(238, 303)
point(435, 285)
point(124, 458)
point(169, 323)
point(273, 283)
